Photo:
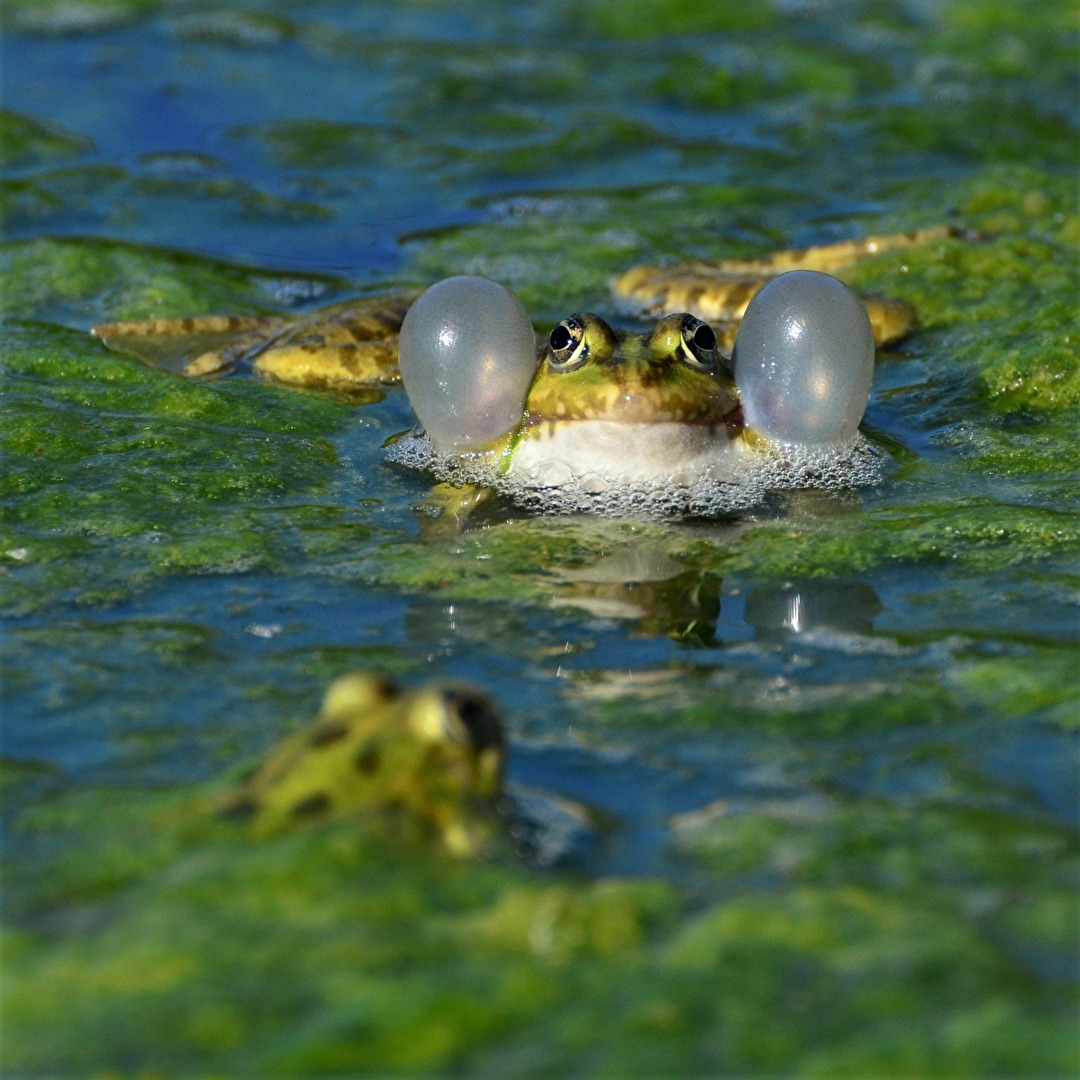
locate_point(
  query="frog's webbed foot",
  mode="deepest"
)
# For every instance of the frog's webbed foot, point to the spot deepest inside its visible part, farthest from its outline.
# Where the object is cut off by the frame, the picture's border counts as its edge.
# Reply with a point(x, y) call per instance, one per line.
point(720, 291)
point(448, 508)
point(350, 344)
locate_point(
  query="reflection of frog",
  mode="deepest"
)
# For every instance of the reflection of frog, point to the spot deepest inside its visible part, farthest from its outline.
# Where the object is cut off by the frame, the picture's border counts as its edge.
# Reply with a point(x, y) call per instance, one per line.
point(355, 343)
point(431, 759)
point(641, 583)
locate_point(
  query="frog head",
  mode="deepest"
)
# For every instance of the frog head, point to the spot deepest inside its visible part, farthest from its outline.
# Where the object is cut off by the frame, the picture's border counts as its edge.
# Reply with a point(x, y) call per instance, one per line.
point(671, 373)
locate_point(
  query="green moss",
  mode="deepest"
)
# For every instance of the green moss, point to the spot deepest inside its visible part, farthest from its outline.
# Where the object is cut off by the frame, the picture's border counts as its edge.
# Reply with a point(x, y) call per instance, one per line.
point(822, 73)
point(403, 961)
point(649, 19)
point(25, 142)
point(233, 28)
point(116, 474)
point(76, 16)
point(49, 277)
point(978, 535)
point(557, 253)
point(1019, 688)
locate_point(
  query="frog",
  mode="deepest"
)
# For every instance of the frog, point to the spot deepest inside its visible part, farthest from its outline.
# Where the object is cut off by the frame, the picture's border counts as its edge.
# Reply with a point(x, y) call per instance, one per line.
point(353, 344)
point(593, 407)
point(428, 762)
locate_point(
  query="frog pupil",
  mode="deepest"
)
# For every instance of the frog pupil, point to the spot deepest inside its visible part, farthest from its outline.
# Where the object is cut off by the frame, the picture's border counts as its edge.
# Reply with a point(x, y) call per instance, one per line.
point(560, 338)
point(704, 338)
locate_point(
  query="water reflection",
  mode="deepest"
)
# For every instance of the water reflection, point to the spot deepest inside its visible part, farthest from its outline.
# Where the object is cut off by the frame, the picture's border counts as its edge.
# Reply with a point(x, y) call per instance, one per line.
point(661, 596)
point(655, 596)
point(793, 608)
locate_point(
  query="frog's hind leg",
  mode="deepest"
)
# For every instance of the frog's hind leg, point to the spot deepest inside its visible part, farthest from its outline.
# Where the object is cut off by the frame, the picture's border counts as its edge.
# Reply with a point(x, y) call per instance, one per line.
point(353, 344)
point(720, 291)
point(829, 258)
point(889, 319)
point(203, 345)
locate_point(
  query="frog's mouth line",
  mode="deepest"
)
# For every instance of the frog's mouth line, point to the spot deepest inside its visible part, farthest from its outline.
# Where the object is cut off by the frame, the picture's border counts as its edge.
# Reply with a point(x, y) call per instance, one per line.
point(732, 420)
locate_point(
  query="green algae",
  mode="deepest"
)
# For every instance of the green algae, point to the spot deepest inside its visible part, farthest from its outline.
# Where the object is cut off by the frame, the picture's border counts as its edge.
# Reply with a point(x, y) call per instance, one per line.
point(187, 926)
point(25, 142)
point(651, 19)
point(828, 74)
point(1029, 685)
point(75, 17)
point(110, 281)
point(146, 475)
point(557, 252)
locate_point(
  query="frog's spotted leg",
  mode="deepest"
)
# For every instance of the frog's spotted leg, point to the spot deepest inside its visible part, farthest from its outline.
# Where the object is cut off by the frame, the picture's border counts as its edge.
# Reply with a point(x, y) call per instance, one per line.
point(351, 344)
point(204, 345)
point(719, 291)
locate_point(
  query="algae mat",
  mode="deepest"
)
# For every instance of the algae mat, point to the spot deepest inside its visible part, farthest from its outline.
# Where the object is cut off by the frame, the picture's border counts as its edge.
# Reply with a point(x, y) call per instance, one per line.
point(827, 751)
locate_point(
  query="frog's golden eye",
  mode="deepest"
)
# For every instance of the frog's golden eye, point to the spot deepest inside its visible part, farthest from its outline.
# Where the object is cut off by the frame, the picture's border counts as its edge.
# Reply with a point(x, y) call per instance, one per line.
point(567, 347)
point(699, 344)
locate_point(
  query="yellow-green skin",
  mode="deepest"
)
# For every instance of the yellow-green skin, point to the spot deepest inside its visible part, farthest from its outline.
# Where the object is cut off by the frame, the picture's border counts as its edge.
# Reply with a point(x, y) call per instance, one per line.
point(634, 378)
point(429, 762)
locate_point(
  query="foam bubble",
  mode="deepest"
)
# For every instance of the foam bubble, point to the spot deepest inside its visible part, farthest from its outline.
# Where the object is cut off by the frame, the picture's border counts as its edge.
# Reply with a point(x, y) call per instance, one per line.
point(564, 488)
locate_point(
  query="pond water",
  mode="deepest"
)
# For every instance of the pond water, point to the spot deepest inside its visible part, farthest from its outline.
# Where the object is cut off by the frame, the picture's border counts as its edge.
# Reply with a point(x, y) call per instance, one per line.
point(826, 749)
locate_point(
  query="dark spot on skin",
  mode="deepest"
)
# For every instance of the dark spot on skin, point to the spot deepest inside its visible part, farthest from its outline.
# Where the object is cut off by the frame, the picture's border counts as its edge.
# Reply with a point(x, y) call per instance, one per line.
point(368, 759)
point(327, 734)
point(656, 372)
point(318, 803)
point(391, 320)
point(387, 689)
point(241, 809)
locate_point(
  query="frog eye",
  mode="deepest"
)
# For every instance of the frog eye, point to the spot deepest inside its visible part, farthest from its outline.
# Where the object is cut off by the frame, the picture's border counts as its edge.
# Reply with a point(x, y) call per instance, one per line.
point(567, 347)
point(699, 344)
point(476, 714)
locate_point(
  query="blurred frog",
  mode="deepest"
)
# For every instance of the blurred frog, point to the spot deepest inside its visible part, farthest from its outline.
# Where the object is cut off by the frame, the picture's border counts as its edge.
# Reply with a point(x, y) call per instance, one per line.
point(430, 761)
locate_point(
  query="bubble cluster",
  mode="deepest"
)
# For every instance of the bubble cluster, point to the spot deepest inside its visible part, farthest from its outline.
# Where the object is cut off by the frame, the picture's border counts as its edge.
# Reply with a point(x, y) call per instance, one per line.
point(856, 463)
